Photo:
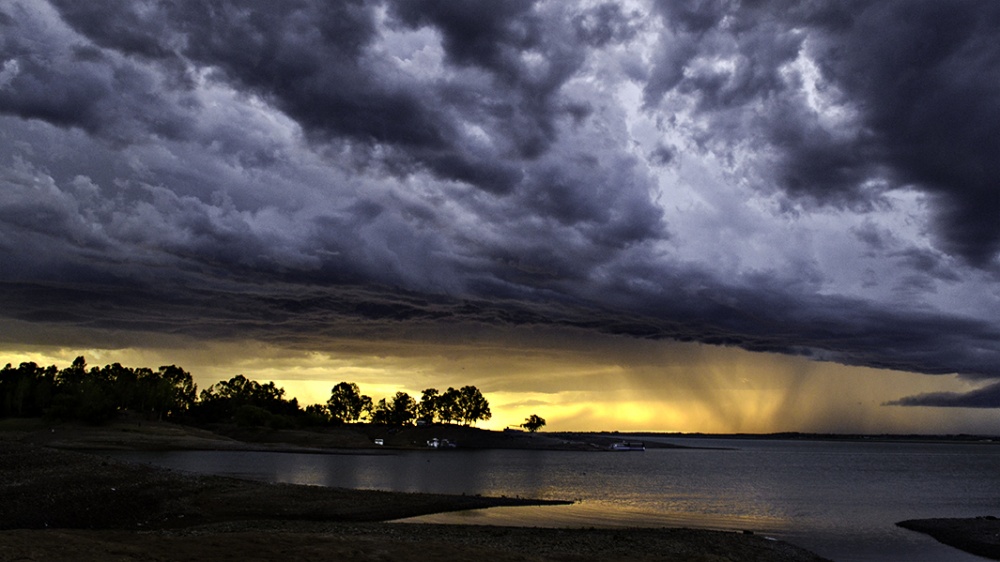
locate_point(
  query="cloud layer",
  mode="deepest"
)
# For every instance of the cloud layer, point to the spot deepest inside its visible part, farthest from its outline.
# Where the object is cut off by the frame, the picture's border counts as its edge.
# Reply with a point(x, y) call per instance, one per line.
point(986, 397)
point(811, 180)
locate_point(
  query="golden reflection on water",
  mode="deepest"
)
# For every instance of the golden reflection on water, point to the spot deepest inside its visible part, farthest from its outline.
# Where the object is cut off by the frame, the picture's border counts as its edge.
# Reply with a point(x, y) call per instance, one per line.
point(600, 514)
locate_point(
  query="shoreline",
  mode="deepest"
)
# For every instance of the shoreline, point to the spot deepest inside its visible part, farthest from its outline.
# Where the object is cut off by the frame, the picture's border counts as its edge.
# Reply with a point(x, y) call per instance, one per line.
point(347, 439)
point(48, 488)
point(71, 505)
point(975, 535)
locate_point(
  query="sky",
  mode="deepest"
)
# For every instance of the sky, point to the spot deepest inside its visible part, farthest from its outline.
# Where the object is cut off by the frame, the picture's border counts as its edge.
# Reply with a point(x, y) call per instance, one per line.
point(711, 216)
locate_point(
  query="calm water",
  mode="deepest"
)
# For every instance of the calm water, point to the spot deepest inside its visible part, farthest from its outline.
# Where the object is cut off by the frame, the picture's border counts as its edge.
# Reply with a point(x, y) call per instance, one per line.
point(840, 500)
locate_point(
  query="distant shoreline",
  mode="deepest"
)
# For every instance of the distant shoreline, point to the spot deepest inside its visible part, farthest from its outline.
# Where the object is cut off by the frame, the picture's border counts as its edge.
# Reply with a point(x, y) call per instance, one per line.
point(135, 434)
point(347, 439)
point(799, 436)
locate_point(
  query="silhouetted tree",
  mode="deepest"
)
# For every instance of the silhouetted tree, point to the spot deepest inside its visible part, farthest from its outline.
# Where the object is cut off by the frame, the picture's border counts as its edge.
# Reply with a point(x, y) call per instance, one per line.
point(466, 405)
point(401, 410)
point(248, 415)
point(472, 405)
point(317, 414)
point(166, 393)
point(404, 409)
point(427, 409)
point(26, 391)
point(347, 404)
point(87, 396)
point(183, 391)
point(220, 401)
point(381, 413)
point(99, 394)
point(533, 423)
point(448, 409)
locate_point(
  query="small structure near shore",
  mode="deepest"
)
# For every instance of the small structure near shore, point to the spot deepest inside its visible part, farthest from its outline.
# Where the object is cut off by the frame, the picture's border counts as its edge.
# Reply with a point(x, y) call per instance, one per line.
point(436, 443)
point(628, 446)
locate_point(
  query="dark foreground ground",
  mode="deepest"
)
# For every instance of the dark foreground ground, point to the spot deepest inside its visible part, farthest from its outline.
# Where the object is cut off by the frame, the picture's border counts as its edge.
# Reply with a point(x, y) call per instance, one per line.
point(977, 535)
point(62, 505)
point(385, 542)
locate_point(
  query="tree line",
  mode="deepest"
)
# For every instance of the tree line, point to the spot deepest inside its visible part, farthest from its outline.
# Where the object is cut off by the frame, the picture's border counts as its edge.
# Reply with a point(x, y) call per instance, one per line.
point(465, 405)
point(94, 395)
point(99, 394)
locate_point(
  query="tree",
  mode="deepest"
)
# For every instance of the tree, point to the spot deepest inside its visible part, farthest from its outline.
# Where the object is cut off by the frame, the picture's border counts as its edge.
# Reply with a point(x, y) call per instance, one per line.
point(27, 390)
point(381, 413)
point(400, 411)
point(533, 423)
point(87, 396)
point(472, 405)
point(221, 400)
point(447, 406)
point(347, 404)
point(95, 394)
point(427, 409)
point(466, 405)
point(403, 408)
point(317, 414)
point(178, 390)
point(168, 392)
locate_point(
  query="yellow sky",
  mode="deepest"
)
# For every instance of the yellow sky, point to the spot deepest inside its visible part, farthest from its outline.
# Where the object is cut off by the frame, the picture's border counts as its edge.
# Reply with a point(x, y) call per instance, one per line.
point(580, 382)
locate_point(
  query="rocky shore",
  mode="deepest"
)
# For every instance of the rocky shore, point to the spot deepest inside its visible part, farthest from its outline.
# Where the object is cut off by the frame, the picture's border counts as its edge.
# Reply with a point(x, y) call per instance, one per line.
point(66, 505)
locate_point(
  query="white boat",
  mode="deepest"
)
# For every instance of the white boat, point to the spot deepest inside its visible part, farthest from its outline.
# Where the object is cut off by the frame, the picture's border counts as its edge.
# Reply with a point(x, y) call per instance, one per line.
point(628, 446)
point(436, 443)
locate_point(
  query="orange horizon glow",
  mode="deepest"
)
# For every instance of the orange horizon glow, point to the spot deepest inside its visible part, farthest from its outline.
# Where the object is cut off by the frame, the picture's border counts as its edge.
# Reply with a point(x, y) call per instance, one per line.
point(610, 384)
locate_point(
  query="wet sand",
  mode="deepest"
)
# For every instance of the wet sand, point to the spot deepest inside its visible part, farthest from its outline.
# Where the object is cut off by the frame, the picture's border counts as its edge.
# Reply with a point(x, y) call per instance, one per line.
point(65, 505)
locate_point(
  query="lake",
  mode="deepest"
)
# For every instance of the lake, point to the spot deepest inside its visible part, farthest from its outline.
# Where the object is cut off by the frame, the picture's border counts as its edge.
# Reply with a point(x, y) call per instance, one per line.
point(838, 499)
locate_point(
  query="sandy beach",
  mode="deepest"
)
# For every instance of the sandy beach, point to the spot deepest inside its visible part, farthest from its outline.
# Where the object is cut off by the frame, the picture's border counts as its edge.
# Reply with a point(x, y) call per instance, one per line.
point(74, 505)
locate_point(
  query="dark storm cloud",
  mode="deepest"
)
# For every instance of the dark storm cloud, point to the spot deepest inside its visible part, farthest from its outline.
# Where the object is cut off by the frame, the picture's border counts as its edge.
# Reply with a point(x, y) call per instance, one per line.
point(495, 38)
point(767, 314)
point(490, 38)
point(199, 304)
point(311, 60)
point(307, 56)
point(929, 264)
point(606, 23)
point(986, 397)
point(297, 171)
point(764, 45)
point(51, 79)
point(922, 76)
point(929, 84)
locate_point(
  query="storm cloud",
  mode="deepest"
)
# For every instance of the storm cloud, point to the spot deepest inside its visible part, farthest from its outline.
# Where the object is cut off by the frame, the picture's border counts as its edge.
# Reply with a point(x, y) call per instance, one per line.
point(986, 397)
point(786, 177)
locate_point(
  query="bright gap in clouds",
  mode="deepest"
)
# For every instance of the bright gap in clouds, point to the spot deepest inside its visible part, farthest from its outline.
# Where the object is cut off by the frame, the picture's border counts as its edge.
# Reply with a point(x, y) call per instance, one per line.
point(609, 383)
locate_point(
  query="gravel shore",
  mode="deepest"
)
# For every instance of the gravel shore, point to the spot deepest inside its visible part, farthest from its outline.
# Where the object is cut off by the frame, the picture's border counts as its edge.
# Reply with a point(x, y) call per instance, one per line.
point(62, 505)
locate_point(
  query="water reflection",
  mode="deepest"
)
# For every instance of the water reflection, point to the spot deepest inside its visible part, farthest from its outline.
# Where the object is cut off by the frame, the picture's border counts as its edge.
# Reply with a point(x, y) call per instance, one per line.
point(838, 499)
point(599, 514)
